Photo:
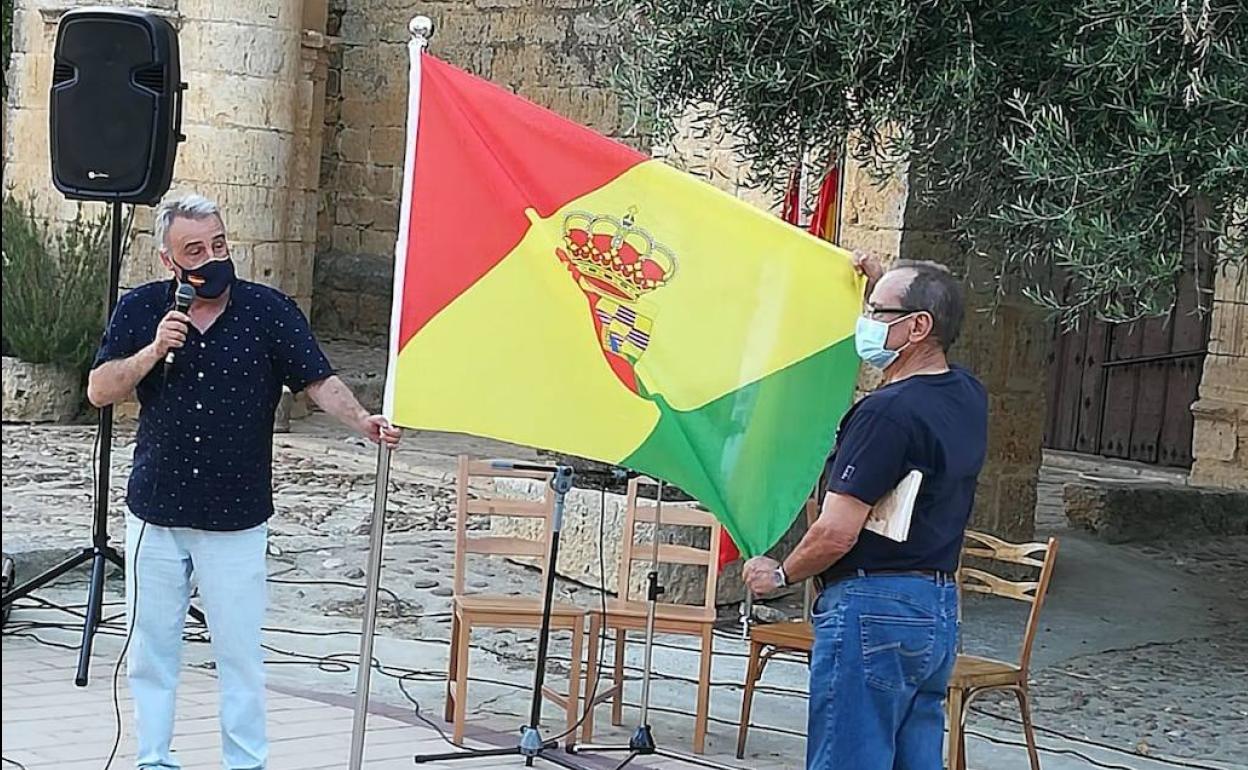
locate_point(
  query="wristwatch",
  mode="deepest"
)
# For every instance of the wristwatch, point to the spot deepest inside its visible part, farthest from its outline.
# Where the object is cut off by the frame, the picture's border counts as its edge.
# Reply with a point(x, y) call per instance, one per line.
point(782, 579)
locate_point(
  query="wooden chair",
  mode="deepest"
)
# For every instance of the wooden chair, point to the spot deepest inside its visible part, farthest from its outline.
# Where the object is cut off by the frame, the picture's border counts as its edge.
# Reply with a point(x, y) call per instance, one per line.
point(973, 675)
point(495, 611)
point(626, 614)
point(767, 640)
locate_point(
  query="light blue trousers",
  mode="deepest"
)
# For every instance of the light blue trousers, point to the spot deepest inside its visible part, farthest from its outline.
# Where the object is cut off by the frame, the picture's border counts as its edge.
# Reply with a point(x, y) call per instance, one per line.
point(229, 569)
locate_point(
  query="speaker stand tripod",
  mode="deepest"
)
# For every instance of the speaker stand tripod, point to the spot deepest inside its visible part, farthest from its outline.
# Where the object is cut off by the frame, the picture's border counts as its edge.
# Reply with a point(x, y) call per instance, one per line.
point(642, 743)
point(99, 553)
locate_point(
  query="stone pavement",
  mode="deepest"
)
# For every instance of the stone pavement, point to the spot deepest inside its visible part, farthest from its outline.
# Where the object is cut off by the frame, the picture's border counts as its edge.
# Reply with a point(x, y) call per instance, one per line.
point(1140, 647)
point(50, 723)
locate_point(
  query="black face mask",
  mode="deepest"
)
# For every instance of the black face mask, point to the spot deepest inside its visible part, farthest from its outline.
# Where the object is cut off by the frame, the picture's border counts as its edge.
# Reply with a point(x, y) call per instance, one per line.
point(211, 279)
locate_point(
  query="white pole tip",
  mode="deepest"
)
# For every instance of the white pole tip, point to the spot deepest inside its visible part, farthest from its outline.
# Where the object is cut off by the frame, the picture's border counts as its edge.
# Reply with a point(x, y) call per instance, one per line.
point(421, 26)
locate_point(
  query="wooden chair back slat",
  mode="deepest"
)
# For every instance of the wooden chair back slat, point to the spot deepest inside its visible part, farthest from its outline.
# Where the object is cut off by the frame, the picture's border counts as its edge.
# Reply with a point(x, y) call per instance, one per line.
point(977, 579)
point(519, 547)
point(986, 546)
point(673, 554)
point(467, 505)
point(640, 510)
point(678, 515)
point(528, 509)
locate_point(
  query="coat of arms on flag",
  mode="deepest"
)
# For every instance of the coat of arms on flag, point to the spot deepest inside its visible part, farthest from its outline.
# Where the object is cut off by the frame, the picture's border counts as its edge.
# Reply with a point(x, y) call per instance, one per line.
point(616, 264)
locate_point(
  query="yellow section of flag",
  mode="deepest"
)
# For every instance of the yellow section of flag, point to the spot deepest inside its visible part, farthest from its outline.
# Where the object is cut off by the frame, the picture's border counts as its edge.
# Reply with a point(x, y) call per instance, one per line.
point(732, 304)
point(740, 303)
point(516, 357)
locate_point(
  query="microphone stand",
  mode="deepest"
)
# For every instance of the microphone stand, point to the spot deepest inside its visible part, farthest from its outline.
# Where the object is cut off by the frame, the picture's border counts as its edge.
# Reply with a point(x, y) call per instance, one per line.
point(531, 745)
point(642, 743)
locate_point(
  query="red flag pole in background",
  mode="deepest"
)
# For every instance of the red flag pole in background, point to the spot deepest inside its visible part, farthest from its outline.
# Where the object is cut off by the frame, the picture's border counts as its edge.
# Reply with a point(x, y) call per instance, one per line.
point(791, 208)
point(826, 224)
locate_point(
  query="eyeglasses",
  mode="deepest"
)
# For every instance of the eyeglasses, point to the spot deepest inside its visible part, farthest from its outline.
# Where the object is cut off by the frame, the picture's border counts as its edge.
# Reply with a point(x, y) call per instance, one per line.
point(872, 310)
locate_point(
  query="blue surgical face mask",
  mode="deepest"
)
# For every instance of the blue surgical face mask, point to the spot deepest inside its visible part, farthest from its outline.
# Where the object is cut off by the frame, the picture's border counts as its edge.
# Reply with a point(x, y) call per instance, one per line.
point(871, 340)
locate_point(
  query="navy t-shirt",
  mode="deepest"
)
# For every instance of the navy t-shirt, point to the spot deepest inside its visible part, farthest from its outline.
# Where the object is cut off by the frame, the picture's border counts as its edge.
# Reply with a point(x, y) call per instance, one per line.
point(203, 456)
point(934, 423)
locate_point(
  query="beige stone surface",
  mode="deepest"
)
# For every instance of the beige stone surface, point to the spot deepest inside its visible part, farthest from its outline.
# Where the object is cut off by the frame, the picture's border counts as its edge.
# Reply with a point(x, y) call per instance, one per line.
point(544, 51)
point(40, 392)
point(1220, 434)
point(253, 118)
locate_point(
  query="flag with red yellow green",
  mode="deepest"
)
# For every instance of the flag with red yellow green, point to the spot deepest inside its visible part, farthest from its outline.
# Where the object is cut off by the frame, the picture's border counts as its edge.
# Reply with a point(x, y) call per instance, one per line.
point(558, 289)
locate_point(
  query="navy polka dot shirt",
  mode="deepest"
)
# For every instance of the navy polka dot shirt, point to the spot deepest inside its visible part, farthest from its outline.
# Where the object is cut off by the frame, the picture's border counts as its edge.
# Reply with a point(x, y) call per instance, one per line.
point(203, 457)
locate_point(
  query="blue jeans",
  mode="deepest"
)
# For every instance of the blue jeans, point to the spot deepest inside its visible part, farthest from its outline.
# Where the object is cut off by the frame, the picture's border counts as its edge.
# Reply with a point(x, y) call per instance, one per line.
point(884, 648)
point(229, 568)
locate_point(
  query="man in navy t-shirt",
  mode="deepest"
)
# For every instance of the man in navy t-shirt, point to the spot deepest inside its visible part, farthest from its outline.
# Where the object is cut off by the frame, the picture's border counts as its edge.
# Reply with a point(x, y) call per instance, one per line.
point(886, 623)
point(201, 488)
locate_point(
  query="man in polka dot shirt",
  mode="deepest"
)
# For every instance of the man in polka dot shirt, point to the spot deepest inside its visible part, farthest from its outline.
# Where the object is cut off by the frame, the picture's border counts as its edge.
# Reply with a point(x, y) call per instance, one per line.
point(200, 492)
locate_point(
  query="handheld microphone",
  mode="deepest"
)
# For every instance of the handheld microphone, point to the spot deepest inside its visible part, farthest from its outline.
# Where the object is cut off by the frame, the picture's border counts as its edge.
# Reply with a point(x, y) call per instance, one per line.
point(182, 300)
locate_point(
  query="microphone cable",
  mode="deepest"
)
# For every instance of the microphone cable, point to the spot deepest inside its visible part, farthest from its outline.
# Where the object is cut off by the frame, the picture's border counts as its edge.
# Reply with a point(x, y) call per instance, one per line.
point(125, 646)
point(134, 603)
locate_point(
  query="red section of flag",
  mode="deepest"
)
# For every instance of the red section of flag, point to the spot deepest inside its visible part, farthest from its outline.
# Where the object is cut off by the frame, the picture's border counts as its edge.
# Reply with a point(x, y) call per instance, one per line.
point(826, 222)
point(728, 551)
point(483, 156)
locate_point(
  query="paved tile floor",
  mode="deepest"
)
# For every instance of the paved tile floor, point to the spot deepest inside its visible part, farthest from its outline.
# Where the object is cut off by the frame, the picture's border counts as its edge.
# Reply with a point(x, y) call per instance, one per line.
point(48, 722)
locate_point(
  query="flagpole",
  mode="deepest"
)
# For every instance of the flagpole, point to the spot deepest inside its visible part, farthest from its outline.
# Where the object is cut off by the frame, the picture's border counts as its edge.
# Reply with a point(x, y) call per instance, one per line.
point(840, 193)
point(377, 529)
point(421, 28)
point(803, 189)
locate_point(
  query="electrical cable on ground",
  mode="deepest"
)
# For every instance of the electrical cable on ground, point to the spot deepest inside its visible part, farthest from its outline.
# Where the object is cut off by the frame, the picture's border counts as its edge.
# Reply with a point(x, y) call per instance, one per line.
point(125, 646)
point(344, 662)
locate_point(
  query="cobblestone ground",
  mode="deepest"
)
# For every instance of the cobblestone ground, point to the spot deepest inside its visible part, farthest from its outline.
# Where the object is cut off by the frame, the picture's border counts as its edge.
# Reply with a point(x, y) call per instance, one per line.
point(1188, 698)
point(1183, 699)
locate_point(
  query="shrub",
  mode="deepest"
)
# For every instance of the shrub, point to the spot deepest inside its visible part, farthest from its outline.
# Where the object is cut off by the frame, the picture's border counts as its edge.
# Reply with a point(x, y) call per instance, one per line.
point(53, 287)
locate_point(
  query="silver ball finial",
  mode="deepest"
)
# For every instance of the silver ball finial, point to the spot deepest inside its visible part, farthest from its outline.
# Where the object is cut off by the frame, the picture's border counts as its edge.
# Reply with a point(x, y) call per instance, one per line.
point(420, 27)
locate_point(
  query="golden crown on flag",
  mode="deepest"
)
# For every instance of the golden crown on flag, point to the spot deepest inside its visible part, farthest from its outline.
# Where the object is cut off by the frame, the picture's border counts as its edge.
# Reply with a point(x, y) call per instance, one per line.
point(616, 256)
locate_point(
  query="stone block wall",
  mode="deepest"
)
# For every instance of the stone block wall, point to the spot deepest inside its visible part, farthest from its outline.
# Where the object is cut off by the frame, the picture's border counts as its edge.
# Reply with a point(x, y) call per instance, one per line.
point(556, 53)
point(1220, 435)
point(252, 116)
point(1130, 511)
point(1008, 353)
point(1005, 349)
point(1005, 343)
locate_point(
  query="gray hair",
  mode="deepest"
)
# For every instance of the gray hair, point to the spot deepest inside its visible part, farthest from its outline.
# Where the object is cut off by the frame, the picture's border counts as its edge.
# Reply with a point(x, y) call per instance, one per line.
point(189, 206)
point(934, 289)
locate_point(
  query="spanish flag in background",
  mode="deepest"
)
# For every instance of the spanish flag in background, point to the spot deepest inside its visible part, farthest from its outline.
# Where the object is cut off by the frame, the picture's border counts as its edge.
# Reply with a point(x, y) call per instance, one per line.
point(557, 289)
point(825, 223)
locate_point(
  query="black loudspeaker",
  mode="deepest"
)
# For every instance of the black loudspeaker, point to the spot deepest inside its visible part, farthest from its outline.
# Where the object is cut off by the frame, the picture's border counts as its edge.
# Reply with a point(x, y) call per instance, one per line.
point(116, 107)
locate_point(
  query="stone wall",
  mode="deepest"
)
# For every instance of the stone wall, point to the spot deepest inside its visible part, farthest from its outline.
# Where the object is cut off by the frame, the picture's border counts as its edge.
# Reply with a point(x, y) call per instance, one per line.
point(1005, 349)
point(1220, 436)
point(253, 118)
point(556, 53)
point(1005, 343)
point(1121, 511)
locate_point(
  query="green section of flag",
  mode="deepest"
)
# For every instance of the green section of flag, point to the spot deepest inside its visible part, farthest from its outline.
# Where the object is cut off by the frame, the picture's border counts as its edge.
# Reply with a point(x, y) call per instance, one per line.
point(753, 456)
